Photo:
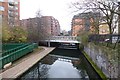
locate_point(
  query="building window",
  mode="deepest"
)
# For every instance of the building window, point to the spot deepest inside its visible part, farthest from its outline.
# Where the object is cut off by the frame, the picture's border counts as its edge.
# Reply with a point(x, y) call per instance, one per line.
point(10, 6)
point(16, 13)
point(1, 8)
point(16, 8)
point(10, 12)
point(16, 2)
point(11, 3)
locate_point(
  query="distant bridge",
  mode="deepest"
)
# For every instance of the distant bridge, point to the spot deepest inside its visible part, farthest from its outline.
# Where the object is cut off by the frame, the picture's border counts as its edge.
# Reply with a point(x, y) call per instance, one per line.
point(69, 38)
point(62, 41)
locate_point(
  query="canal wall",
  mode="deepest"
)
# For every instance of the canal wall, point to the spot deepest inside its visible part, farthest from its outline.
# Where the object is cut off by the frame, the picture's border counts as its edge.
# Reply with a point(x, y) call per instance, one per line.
point(106, 59)
point(25, 65)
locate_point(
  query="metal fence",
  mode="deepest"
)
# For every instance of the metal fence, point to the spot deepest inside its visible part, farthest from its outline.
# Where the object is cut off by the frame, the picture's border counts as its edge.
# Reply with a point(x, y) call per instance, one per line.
point(102, 38)
point(8, 46)
point(15, 52)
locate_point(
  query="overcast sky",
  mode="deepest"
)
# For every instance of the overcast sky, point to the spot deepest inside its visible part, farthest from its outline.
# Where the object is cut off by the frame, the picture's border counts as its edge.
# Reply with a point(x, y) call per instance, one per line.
point(59, 9)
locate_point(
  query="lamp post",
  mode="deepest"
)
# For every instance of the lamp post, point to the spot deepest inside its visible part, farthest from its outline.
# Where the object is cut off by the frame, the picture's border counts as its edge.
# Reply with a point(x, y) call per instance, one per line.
point(119, 17)
point(119, 34)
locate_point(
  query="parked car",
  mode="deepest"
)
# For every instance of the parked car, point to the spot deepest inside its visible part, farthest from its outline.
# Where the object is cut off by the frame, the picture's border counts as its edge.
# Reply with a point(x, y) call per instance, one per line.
point(114, 40)
point(107, 40)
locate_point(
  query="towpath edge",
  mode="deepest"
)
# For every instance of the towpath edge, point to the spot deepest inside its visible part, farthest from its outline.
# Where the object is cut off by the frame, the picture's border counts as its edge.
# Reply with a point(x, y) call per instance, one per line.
point(22, 67)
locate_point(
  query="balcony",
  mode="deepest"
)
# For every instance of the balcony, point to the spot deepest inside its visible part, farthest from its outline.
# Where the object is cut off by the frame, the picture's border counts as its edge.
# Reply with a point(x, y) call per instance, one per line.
point(11, 9)
point(11, 4)
point(11, 15)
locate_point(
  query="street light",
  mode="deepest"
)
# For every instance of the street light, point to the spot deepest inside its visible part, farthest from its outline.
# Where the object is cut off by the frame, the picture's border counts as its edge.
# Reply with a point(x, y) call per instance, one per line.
point(119, 34)
point(119, 17)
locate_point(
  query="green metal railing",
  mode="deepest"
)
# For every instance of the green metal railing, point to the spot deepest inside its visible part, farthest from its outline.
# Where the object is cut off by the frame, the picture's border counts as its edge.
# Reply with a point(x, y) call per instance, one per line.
point(16, 47)
point(15, 53)
point(8, 46)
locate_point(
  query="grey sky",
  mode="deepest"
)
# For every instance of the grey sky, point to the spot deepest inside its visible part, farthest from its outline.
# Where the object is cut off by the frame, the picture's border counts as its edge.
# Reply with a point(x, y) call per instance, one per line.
point(56, 8)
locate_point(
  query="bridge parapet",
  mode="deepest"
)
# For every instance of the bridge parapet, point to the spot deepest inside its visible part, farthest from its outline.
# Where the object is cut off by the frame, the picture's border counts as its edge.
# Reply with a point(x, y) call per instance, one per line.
point(56, 41)
point(73, 38)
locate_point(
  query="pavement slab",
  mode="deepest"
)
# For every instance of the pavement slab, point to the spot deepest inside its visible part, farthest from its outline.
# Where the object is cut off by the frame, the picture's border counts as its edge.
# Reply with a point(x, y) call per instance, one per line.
point(23, 66)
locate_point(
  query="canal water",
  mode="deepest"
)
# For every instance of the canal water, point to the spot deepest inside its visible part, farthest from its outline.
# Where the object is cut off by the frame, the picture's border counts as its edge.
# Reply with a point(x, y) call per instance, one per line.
point(61, 63)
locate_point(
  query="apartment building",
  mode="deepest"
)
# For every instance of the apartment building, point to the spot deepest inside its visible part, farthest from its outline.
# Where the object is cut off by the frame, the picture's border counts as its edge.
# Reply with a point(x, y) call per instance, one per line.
point(47, 24)
point(55, 27)
point(51, 25)
point(83, 22)
point(10, 12)
point(77, 25)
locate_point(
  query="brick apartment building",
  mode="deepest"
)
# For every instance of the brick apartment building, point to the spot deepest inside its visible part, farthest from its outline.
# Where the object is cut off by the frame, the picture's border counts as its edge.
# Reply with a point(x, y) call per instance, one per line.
point(77, 25)
point(82, 22)
point(10, 12)
point(47, 23)
point(51, 24)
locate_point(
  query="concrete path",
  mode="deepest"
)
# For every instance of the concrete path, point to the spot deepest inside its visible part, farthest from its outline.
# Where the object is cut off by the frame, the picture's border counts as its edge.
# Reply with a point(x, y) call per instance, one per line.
point(23, 66)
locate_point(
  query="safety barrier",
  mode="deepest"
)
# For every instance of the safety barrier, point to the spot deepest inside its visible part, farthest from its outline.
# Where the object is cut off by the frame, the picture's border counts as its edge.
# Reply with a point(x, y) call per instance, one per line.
point(15, 53)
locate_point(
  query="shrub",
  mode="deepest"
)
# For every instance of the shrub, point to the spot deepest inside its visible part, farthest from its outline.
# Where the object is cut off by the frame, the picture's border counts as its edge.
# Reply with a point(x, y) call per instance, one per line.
point(13, 34)
point(81, 47)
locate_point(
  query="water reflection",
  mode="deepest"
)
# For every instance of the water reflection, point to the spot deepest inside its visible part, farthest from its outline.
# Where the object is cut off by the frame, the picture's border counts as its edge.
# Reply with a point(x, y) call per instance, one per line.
point(56, 66)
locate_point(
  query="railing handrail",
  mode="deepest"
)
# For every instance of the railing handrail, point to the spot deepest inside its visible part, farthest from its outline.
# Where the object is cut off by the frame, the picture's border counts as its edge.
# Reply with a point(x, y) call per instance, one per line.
point(14, 49)
point(17, 54)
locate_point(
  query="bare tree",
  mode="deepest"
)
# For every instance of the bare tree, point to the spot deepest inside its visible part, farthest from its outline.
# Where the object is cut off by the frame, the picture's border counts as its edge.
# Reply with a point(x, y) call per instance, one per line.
point(38, 13)
point(32, 31)
point(36, 30)
point(109, 9)
point(42, 33)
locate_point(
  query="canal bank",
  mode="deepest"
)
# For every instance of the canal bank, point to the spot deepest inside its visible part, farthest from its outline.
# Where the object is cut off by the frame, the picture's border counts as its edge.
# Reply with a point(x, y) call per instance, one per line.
point(22, 67)
point(62, 63)
point(91, 62)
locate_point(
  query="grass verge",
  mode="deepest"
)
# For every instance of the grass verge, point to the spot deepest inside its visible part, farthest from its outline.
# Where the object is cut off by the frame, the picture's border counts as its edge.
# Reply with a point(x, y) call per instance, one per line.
point(97, 69)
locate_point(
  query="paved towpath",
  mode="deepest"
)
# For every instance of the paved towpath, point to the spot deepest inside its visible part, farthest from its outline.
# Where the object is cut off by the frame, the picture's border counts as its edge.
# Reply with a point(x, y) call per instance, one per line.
point(26, 63)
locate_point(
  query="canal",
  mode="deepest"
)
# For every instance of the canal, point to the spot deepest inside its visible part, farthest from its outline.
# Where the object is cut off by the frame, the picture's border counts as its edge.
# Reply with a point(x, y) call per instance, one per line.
point(62, 63)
